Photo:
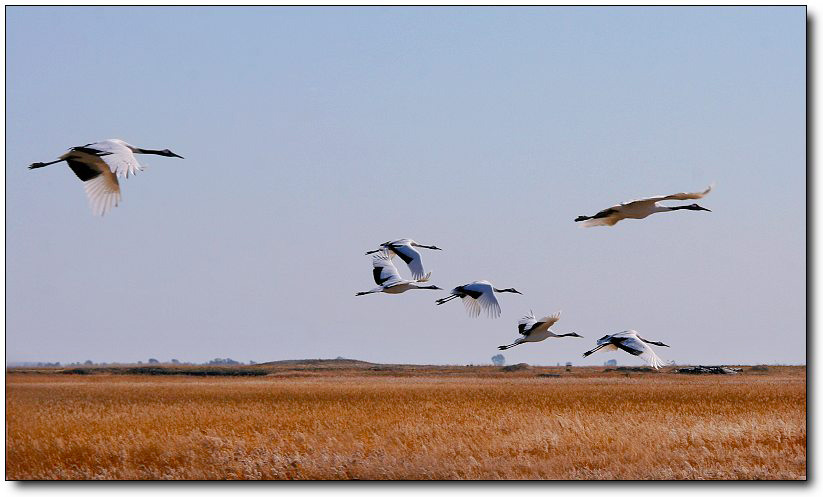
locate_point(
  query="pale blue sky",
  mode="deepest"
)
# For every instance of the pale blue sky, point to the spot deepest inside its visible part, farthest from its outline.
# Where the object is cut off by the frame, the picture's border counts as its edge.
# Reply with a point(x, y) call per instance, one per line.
point(312, 134)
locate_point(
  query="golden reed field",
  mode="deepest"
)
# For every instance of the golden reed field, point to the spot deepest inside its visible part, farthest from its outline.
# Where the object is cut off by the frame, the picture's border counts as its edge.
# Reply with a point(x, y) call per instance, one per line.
point(408, 423)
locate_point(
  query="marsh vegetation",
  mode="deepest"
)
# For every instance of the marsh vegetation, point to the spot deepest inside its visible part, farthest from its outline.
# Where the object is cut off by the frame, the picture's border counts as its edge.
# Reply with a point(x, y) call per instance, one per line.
point(364, 424)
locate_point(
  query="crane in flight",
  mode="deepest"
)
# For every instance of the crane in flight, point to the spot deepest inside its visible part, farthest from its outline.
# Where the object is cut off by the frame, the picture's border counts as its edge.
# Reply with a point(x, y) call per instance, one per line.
point(389, 280)
point(641, 208)
point(98, 165)
point(478, 296)
point(632, 343)
point(534, 330)
point(404, 248)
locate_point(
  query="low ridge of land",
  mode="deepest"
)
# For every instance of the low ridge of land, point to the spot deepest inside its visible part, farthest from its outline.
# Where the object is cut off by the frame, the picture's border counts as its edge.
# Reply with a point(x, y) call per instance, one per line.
point(349, 367)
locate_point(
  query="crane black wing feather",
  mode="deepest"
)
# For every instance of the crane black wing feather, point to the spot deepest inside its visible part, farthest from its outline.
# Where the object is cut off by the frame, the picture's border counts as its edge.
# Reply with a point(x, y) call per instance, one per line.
point(475, 294)
point(379, 278)
point(383, 271)
point(526, 329)
point(628, 344)
point(83, 171)
point(402, 251)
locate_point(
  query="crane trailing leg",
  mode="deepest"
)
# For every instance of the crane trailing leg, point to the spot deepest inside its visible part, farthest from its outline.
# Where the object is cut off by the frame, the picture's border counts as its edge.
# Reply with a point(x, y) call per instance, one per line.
point(446, 299)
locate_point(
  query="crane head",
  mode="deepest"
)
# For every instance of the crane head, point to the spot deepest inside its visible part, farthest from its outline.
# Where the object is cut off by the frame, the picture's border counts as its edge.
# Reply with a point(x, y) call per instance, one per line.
point(695, 207)
point(169, 153)
point(510, 290)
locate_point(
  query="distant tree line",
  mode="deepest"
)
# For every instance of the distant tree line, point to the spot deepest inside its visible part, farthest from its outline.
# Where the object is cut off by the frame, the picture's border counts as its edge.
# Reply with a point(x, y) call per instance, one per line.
point(88, 362)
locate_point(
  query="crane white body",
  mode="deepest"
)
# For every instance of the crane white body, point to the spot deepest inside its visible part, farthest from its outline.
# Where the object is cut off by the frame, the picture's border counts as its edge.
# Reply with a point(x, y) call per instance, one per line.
point(389, 280)
point(99, 165)
point(478, 297)
point(536, 330)
point(629, 341)
point(405, 249)
point(641, 208)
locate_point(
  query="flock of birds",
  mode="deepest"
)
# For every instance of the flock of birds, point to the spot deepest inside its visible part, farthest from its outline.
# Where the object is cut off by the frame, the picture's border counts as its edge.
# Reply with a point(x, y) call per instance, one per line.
point(99, 165)
point(479, 297)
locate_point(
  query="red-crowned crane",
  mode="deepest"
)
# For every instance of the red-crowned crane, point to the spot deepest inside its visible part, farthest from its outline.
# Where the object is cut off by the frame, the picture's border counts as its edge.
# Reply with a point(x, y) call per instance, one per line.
point(478, 296)
point(536, 330)
point(632, 343)
point(98, 165)
point(386, 275)
point(639, 209)
point(404, 248)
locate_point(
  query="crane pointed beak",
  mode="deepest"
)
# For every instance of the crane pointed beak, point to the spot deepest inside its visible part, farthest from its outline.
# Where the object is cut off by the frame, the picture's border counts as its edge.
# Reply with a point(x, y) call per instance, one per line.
point(175, 155)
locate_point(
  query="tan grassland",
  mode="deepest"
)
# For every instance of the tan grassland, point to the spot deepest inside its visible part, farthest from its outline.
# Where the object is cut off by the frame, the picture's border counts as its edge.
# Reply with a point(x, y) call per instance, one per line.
point(472, 423)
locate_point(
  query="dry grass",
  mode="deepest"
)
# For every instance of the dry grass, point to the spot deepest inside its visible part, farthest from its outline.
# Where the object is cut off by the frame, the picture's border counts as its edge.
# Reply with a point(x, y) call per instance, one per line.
point(341, 426)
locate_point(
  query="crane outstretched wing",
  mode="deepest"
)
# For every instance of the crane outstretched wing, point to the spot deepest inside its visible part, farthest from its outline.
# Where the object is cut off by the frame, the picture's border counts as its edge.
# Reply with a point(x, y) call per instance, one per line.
point(478, 297)
point(529, 324)
point(473, 309)
point(410, 256)
point(637, 347)
point(526, 324)
point(101, 185)
point(604, 221)
point(673, 196)
point(546, 322)
point(486, 302)
point(117, 156)
point(384, 272)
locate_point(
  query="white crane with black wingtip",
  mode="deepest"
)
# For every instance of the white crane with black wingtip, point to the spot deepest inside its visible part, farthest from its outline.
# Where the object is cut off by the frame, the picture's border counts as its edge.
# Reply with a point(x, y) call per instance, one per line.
point(534, 330)
point(98, 165)
point(632, 343)
point(478, 296)
point(404, 248)
point(386, 275)
point(641, 208)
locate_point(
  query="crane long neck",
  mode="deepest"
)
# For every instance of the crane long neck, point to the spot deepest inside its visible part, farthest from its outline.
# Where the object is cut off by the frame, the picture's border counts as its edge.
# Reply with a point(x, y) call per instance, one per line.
point(138, 150)
point(44, 164)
